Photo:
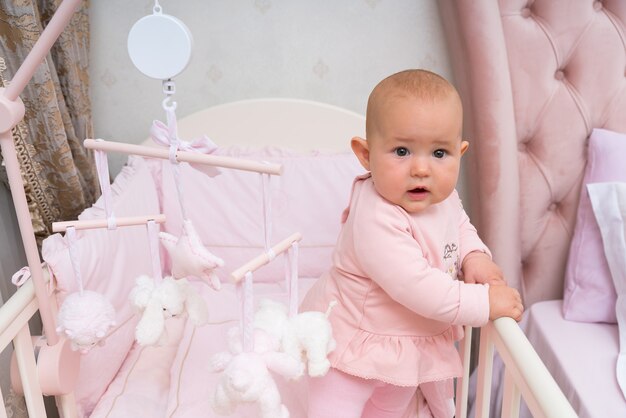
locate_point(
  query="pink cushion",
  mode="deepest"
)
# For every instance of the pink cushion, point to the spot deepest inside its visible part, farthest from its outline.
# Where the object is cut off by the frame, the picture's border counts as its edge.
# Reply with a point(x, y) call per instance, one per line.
point(109, 263)
point(227, 210)
point(589, 294)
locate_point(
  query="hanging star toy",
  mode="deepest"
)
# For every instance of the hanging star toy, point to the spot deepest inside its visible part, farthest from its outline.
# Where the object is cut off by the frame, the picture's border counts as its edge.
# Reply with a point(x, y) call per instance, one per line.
point(190, 257)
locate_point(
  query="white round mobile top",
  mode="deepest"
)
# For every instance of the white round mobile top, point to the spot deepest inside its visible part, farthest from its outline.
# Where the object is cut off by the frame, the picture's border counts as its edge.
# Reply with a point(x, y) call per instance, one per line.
point(160, 45)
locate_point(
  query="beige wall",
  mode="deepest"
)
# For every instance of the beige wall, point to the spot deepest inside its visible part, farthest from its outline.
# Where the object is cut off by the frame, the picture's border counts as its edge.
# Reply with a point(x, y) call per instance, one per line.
point(326, 50)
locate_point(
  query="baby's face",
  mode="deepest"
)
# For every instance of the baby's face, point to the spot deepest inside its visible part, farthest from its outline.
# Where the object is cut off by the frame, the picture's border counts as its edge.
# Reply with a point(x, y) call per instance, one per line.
point(415, 151)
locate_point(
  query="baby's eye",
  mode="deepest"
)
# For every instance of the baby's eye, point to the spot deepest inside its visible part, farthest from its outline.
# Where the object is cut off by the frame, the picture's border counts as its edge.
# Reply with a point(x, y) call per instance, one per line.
point(401, 152)
point(440, 153)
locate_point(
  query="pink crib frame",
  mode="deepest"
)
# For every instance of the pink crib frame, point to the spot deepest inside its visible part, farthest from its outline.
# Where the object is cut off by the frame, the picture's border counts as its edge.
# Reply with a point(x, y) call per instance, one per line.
point(525, 374)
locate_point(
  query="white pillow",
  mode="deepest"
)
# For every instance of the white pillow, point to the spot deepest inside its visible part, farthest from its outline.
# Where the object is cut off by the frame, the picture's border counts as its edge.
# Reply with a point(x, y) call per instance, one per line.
point(609, 206)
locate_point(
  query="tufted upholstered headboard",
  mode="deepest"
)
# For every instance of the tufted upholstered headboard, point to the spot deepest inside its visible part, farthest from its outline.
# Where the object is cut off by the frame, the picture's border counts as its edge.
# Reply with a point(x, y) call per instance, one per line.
point(535, 77)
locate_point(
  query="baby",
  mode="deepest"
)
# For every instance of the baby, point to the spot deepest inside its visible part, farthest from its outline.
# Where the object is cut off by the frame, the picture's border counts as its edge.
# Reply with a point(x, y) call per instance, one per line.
point(404, 243)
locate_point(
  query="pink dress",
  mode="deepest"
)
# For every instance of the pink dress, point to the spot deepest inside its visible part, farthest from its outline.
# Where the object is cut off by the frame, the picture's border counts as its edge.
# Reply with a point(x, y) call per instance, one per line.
point(394, 275)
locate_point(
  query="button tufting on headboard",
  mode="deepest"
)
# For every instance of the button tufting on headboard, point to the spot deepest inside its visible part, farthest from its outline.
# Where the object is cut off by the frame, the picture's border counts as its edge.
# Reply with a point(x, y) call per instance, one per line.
point(549, 79)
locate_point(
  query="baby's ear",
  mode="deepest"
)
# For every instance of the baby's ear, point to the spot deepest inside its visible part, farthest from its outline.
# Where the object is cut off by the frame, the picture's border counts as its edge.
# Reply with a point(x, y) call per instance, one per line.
point(464, 146)
point(360, 147)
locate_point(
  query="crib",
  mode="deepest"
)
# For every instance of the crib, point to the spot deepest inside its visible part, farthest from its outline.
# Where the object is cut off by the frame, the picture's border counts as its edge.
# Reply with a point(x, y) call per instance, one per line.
point(121, 378)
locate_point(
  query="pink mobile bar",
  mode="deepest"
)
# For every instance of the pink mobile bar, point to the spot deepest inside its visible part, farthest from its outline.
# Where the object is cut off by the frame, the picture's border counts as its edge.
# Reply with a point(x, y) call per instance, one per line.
point(264, 258)
point(11, 112)
point(102, 223)
point(190, 157)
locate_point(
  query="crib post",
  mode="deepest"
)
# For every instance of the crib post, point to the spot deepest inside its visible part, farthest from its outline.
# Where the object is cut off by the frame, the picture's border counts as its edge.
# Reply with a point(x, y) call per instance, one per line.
point(27, 365)
point(462, 383)
point(485, 371)
point(27, 233)
point(510, 397)
point(66, 405)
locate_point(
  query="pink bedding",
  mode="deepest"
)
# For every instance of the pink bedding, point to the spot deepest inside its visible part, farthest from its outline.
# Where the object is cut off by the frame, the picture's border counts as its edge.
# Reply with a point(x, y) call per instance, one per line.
point(141, 386)
point(565, 345)
point(227, 211)
point(176, 378)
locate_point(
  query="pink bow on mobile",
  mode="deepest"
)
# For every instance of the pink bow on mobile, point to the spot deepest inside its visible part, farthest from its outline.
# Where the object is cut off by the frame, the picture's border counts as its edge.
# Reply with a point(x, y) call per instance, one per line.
point(162, 135)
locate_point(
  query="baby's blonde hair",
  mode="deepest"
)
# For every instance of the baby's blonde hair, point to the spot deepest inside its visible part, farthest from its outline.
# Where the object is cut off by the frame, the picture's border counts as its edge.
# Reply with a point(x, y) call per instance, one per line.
point(421, 84)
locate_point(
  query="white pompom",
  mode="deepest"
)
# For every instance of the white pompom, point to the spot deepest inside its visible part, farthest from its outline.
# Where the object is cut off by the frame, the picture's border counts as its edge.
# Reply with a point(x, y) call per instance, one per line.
point(85, 319)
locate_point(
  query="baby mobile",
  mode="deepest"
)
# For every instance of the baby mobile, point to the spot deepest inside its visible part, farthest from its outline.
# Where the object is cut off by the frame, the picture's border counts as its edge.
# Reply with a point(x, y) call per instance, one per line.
point(86, 317)
point(276, 339)
point(151, 39)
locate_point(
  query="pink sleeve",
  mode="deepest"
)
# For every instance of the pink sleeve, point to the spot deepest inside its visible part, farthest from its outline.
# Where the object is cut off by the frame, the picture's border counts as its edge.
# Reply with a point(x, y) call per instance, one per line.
point(404, 273)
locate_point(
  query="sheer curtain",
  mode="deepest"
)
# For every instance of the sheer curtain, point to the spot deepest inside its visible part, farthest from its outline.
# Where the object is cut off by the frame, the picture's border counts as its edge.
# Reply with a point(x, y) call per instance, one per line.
point(59, 174)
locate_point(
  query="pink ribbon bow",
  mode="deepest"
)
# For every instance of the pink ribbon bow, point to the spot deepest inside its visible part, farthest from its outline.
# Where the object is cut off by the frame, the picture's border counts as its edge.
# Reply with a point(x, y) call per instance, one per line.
point(167, 136)
point(23, 274)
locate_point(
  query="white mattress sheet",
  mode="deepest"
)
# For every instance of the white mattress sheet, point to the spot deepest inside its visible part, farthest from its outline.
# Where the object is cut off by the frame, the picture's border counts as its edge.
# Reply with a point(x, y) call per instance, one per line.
point(581, 357)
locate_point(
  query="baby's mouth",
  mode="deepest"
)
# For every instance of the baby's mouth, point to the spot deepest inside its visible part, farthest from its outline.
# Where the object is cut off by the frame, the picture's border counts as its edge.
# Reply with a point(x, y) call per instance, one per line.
point(419, 190)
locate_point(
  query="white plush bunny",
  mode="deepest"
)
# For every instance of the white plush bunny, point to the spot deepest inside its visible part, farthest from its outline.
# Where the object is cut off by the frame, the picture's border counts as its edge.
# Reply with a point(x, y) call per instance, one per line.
point(307, 335)
point(159, 301)
point(246, 376)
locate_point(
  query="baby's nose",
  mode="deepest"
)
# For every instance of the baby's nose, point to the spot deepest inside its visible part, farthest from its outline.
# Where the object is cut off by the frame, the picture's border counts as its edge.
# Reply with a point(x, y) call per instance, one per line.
point(420, 167)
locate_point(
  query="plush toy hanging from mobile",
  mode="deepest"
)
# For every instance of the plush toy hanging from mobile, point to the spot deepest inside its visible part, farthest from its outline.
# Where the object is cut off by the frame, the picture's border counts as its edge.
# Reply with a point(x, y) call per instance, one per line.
point(190, 258)
point(86, 316)
point(277, 339)
point(245, 369)
point(160, 47)
point(306, 336)
point(159, 298)
point(254, 354)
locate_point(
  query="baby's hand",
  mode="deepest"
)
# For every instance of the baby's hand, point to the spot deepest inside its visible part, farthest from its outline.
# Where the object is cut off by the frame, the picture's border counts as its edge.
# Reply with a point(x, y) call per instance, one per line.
point(478, 268)
point(505, 301)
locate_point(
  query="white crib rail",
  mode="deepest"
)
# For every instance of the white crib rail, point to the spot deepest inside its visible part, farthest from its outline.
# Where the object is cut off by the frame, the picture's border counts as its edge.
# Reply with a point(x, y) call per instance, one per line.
point(14, 317)
point(525, 375)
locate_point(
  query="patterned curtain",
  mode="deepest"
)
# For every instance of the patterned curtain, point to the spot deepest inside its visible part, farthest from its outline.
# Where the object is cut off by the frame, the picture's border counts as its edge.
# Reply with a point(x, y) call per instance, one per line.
point(59, 174)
